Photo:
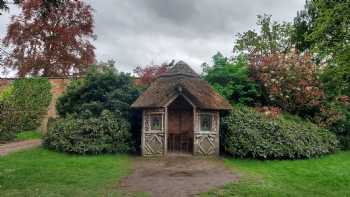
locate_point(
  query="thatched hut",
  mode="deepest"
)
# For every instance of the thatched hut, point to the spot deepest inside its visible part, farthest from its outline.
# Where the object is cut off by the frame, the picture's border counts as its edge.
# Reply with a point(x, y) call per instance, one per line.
point(180, 114)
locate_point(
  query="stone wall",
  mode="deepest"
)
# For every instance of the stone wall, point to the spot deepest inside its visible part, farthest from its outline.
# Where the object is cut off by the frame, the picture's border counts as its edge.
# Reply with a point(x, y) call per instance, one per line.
point(58, 87)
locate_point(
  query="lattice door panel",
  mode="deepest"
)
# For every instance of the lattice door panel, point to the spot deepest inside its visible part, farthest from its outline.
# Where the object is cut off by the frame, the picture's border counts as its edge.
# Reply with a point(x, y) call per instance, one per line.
point(154, 143)
point(206, 144)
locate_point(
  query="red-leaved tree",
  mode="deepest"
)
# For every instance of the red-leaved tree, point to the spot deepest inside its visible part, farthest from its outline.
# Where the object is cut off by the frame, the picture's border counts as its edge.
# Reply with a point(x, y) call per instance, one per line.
point(289, 79)
point(146, 75)
point(56, 43)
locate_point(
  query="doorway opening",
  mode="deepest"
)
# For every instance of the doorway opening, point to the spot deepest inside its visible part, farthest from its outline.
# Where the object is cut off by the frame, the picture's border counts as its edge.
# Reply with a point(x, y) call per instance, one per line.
point(180, 126)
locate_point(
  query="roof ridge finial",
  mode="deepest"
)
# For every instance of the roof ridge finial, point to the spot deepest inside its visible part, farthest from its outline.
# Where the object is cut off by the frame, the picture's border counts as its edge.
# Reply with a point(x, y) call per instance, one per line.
point(181, 68)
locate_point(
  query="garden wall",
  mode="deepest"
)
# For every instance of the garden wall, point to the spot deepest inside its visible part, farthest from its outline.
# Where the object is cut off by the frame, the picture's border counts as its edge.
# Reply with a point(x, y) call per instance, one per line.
point(58, 87)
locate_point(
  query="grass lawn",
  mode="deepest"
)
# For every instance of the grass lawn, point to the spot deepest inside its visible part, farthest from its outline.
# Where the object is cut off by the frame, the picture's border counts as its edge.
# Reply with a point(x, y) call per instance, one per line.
point(28, 135)
point(40, 172)
point(326, 176)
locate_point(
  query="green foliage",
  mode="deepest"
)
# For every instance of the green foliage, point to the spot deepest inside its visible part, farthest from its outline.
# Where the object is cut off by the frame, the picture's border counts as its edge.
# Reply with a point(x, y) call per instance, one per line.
point(272, 37)
point(23, 105)
point(323, 27)
point(252, 135)
point(303, 23)
point(231, 79)
point(98, 91)
point(8, 126)
point(105, 134)
point(102, 89)
point(336, 80)
point(6, 93)
point(336, 117)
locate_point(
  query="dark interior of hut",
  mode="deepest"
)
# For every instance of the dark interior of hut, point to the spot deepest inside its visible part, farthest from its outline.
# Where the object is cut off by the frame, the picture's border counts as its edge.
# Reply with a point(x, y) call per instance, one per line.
point(180, 126)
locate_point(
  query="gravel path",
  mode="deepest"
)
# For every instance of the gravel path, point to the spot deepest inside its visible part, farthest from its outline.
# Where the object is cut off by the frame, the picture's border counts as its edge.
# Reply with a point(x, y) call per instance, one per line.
point(177, 176)
point(16, 146)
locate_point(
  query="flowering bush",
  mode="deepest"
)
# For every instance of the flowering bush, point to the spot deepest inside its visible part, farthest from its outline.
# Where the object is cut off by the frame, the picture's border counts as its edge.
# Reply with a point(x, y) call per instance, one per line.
point(290, 80)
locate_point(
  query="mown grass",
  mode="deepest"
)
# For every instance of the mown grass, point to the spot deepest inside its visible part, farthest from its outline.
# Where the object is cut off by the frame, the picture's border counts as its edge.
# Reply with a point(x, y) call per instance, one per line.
point(40, 172)
point(28, 135)
point(326, 176)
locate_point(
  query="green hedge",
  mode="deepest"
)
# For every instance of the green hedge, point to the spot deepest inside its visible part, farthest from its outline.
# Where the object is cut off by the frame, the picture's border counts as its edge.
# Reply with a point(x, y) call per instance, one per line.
point(105, 134)
point(23, 105)
point(251, 134)
point(29, 99)
point(8, 126)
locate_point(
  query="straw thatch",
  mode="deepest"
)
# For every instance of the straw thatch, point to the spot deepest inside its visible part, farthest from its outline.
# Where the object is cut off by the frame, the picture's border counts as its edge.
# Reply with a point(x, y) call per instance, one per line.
point(181, 79)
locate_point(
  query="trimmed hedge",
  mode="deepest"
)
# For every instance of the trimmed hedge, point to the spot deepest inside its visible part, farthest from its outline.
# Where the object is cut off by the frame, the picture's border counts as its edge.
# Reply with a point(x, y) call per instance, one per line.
point(28, 99)
point(251, 134)
point(105, 134)
point(8, 126)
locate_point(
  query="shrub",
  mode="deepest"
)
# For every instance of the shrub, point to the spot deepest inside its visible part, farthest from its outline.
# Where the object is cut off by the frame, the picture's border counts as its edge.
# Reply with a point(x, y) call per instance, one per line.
point(289, 80)
point(336, 117)
point(28, 99)
point(251, 134)
point(100, 90)
point(105, 134)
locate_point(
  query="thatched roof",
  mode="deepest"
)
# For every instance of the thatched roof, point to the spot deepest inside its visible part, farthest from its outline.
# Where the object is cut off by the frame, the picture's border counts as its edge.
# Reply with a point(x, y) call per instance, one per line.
point(181, 79)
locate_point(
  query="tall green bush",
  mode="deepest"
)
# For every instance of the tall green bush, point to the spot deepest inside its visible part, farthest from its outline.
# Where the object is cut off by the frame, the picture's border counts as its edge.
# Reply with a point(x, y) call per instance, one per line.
point(251, 134)
point(99, 90)
point(95, 114)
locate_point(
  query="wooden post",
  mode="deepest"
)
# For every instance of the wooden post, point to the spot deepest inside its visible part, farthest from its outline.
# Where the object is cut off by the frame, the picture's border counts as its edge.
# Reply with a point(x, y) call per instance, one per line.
point(143, 134)
point(194, 129)
point(166, 131)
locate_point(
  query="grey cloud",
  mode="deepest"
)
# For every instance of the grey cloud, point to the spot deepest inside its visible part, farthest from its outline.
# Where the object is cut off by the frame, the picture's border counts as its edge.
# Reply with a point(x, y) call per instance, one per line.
point(138, 32)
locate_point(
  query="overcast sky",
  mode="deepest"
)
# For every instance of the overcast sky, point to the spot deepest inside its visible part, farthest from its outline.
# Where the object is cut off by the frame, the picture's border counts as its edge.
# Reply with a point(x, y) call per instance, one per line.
point(140, 32)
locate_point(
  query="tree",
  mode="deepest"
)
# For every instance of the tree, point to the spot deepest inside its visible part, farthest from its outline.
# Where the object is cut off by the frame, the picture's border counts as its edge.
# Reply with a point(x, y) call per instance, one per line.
point(3, 6)
point(54, 43)
point(323, 28)
point(290, 81)
point(47, 4)
point(273, 37)
point(303, 25)
point(231, 79)
point(149, 73)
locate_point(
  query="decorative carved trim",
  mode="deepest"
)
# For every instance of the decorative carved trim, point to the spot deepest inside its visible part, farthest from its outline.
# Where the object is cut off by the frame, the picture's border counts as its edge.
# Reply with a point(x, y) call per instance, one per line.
point(205, 144)
point(154, 144)
point(153, 140)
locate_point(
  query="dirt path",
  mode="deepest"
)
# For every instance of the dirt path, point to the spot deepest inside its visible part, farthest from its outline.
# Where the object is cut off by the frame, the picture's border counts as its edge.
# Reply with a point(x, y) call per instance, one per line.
point(16, 146)
point(177, 176)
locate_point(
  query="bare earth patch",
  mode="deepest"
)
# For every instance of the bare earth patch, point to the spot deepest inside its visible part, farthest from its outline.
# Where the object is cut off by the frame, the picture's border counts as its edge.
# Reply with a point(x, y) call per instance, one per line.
point(16, 146)
point(177, 176)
